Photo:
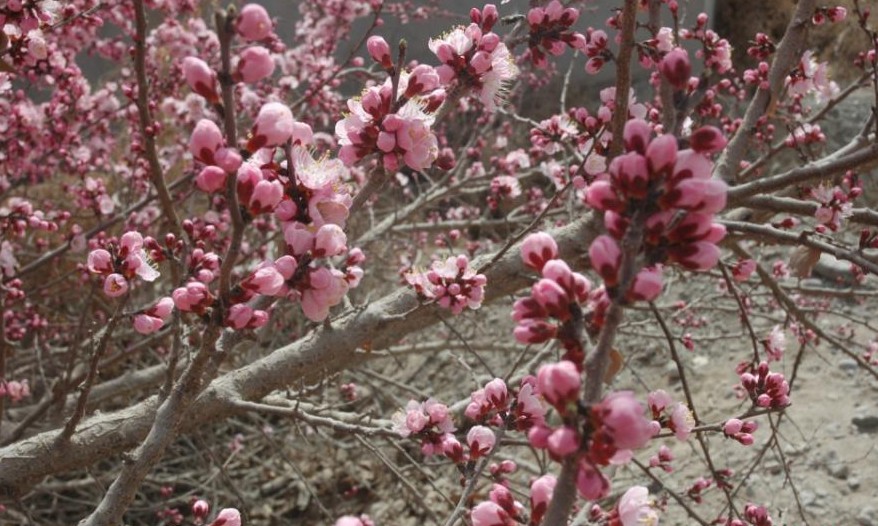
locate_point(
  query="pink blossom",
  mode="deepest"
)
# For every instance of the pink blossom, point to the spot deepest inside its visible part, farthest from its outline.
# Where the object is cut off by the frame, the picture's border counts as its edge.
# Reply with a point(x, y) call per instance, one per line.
point(254, 64)
point(211, 179)
point(193, 297)
point(379, 50)
point(623, 417)
point(200, 78)
point(489, 513)
point(227, 517)
point(480, 440)
point(559, 383)
point(707, 139)
point(606, 257)
point(266, 196)
point(115, 285)
point(100, 261)
point(330, 241)
point(266, 280)
point(682, 421)
point(253, 22)
point(562, 442)
point(200, 508)
point(647, 284)
point(591, 483)
point(206, 139)
point(635, 508)
point(15, 390)
point(537, 249)
point(676, 68)
point(274, 126)
point(541, 491)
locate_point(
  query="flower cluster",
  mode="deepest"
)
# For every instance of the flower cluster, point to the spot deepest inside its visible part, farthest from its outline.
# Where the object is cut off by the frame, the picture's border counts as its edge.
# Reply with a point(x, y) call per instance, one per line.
point(452, 283)
point(635, 508)
point(14, 389)
point(672, 194)
point(431, 422)
point(119, 262)
point(740, 430)
point(396, 126)
point(765, 388)
point(674, 416)
point(550, 31)
point(554, 305)
point(475, 58)
point(614, 428)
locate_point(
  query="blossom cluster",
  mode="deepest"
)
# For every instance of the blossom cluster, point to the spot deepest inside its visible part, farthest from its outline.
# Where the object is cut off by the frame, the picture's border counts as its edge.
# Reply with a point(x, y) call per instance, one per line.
point(475, 58)
point(550, 31)
point(452, 284)
point(672, 194)
point(554, 305)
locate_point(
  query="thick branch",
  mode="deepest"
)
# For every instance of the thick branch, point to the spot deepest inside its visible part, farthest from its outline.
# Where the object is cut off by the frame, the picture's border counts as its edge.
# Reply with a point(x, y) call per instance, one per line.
point(788, 52)
point(325, 351)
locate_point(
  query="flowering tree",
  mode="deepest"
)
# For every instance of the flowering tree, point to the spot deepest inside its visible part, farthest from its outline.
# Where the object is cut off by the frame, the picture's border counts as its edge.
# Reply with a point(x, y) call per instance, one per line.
point(305, 237)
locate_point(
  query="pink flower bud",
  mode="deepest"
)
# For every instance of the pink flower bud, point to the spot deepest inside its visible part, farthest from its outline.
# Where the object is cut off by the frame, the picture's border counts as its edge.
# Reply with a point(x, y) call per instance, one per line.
point(228, 159)
point(489, 514)
point(266, 281)
point(541, 491)
point(274, 126)
point(661, 155)
point(636, 135)
point(559, 383)
point(606, 257)
point(239, 316)
point(695, 256)
point(480, 440)
point(707, 139)
point(287, 266)
point(562, 442)
point(537, 249)
point(329, 241)
point(200, 509)
point(379, 50)
point(266, 196)
point(552, 296)
point(732, 426)
point(200, 78)
point(676, 68)
point(253, 22)
point(211, 179)
point(591, 483)
point(145, 324)
point(496, 393)
point(227, 517)
point(647, 284)
point(603, 196)
point(254, 64)
point(206, 139)
point(623, 417)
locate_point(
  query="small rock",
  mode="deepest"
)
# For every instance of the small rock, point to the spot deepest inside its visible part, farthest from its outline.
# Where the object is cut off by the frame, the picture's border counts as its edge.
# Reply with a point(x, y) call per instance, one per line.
point(835, 466)
point(854, 483)
point(808, 497)
point(672, 372)
point(868, 516)
point(866, 423)
point(849, 365)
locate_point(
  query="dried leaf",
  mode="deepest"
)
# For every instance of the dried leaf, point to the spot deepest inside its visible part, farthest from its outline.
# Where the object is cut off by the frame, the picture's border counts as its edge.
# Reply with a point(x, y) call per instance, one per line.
point(803, 260)
point(616, 363)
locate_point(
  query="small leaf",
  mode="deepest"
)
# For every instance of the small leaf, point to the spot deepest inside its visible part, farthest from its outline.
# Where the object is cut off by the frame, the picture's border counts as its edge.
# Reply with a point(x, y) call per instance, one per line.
point(803, 260)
